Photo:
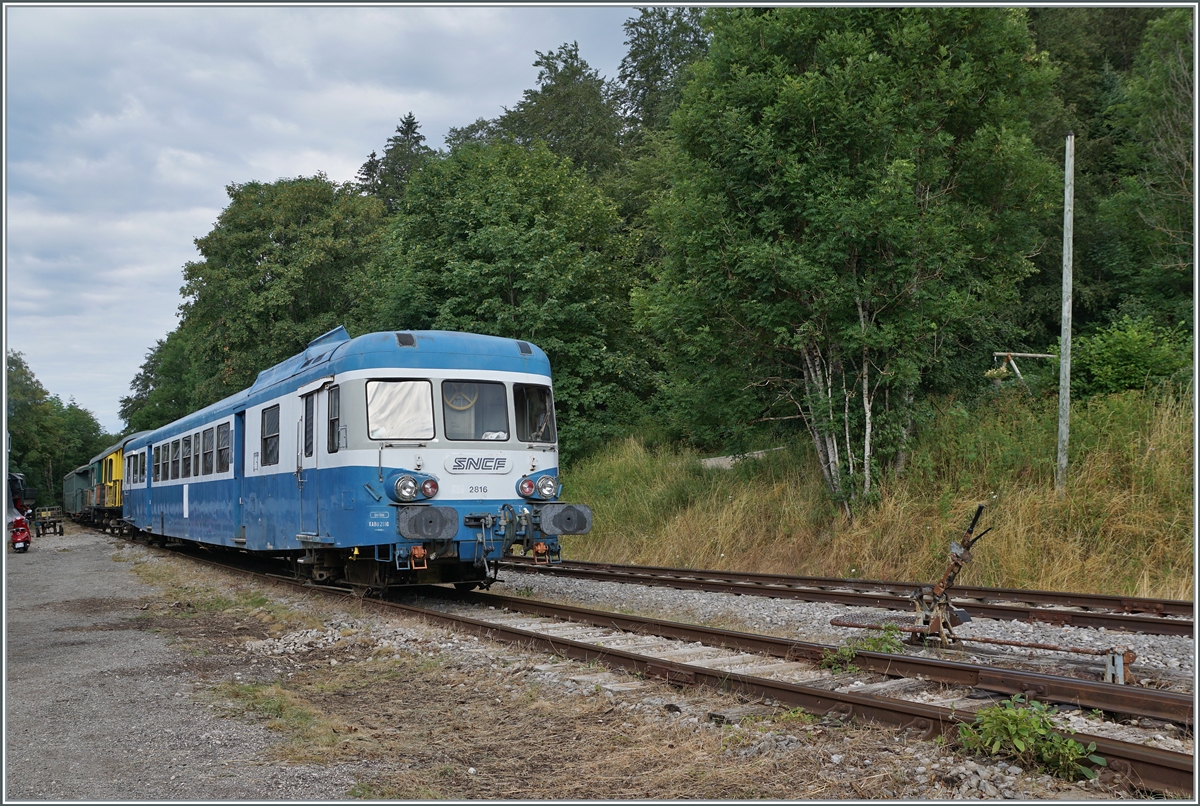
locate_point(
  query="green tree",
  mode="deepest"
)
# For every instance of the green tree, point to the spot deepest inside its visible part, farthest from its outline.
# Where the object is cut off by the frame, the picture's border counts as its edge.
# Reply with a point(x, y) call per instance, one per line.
point(46, 439)
point(29, 441)
point(856, 198)
point(662, 42)
point(403, 154)
point(162, 390)
point(283, 265)
point(1092, 50)
point(1128, 354)
point(1158, 110)
point(512, 241)
point(574, 110)
point(481, 132)
point(367, 177)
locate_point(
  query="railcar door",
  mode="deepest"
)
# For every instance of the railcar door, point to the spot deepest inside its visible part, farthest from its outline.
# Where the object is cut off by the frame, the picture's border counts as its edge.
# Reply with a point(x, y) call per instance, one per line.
point(306, 463)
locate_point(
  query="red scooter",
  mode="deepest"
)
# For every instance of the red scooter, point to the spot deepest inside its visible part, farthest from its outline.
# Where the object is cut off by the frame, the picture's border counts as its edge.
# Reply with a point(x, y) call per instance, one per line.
point(20, 535)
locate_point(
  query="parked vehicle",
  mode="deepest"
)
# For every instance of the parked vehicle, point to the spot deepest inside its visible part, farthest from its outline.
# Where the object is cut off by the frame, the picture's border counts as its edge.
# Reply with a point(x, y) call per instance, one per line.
point(385, 460)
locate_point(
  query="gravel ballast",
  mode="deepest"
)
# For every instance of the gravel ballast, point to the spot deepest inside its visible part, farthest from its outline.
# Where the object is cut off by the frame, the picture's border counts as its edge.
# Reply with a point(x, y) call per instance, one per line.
point(111, 695)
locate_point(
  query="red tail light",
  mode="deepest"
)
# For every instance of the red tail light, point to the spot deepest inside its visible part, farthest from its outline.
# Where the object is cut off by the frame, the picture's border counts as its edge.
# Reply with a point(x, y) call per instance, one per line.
point(429, 488)
point(525, 488)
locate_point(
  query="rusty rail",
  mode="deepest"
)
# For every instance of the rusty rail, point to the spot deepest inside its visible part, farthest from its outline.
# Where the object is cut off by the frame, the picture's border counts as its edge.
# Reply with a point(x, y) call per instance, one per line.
point(820, 589)
point(1149, 768)
point(1168, 705)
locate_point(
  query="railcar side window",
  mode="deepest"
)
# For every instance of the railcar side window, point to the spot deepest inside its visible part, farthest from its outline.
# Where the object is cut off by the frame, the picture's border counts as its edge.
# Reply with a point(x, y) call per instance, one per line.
point(333, 439)
point(196, 454)
point(400, 409)
point(187, 457)
point(207, 465)
point(142, 467)
point(309, 413)
point(534, 413)
point(157, 453)
point(474, 410)
point(270, 436)
point(175, 459)
point(223, 447)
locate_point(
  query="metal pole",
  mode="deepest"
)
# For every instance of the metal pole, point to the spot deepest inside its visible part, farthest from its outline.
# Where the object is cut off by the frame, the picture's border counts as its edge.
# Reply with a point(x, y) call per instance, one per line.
point(1064, 366)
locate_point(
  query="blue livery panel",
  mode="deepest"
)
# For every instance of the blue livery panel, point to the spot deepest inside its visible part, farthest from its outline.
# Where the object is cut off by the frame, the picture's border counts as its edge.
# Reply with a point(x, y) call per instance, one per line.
point(388, 459)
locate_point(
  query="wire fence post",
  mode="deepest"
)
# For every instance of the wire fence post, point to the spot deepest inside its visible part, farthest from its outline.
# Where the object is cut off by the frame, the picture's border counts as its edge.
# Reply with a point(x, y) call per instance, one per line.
point(1064, 366)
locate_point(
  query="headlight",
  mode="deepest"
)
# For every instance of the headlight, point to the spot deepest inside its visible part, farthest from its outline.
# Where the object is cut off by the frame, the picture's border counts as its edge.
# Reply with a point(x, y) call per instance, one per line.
point(525, 488)
point(429, 488)
point(406, 488)
point(547, 486)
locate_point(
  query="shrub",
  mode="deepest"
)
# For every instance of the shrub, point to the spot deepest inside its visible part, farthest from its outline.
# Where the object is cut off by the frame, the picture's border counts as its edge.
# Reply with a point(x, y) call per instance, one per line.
point(1028, 735)
point(1128, 354)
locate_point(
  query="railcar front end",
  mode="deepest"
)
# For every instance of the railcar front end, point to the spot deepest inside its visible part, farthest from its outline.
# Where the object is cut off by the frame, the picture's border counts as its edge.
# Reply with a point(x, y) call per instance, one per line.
point(390, 459)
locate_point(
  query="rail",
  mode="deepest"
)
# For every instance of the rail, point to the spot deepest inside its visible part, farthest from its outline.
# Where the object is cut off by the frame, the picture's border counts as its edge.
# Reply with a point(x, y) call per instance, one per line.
point(1133, 615)
point(1146, 767)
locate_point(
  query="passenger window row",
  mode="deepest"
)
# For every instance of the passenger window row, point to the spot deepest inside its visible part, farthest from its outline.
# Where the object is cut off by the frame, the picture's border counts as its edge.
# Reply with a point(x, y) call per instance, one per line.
point(192, 455)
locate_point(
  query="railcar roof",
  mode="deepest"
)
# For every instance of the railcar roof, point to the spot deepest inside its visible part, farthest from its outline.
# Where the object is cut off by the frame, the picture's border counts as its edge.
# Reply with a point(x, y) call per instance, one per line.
point(335, 352)
point(418, 349)
point(111, 448)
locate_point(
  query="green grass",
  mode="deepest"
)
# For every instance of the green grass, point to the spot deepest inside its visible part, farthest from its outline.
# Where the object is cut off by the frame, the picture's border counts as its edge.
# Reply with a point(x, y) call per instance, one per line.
point(1123, 526)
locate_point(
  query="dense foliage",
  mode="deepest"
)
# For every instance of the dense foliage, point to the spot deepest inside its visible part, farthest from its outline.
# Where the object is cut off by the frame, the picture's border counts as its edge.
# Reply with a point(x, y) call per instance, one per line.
point(514, 242)
point(46, 439)
point(796, 222)
point(284, 264)
point(854, 202)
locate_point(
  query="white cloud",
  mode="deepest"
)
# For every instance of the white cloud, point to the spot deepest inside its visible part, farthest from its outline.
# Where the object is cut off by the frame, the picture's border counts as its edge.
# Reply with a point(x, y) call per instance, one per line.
point(125, 124)
point(178, 167)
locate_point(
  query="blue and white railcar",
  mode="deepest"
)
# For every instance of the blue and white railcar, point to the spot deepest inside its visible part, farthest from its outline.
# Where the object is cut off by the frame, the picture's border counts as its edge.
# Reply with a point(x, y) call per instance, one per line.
point(383, 460)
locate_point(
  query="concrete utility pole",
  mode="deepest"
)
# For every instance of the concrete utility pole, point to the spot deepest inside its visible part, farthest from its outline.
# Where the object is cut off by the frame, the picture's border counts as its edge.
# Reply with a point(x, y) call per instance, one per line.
point(1064, 366)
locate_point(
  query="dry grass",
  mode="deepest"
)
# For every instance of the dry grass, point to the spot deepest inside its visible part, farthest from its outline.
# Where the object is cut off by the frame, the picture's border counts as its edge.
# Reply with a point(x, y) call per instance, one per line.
point(1124, 525)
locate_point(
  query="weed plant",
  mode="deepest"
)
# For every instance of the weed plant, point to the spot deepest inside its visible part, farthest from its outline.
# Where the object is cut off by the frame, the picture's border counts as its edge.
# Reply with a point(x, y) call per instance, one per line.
point(1123, 525)
point(1029, 736)
point(840, 660)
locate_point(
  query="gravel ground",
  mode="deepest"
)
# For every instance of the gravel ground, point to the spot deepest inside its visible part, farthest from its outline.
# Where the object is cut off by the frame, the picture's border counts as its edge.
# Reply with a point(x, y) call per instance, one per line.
point(112, 696)
point(97, 710)
point(1160, 658)
point(809, 621)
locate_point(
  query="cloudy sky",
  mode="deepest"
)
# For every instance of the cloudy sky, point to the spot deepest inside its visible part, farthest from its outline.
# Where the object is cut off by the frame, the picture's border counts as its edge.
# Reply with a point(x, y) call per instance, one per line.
point(123, 126)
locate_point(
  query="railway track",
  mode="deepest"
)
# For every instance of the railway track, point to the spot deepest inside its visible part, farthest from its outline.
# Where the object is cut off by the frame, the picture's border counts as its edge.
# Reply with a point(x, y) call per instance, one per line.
point(1150, 768)
point(1124, 613)
point(1130, 700)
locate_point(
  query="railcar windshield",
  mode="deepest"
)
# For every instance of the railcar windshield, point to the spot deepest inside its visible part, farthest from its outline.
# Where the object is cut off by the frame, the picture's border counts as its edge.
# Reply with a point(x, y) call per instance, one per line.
point(535, 413)
point(475, 410)
point(400, 409)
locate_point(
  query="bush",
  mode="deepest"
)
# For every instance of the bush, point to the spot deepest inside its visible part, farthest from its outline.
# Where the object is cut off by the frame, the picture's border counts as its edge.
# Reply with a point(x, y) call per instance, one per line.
point(1128, 354)
point(1030, 737)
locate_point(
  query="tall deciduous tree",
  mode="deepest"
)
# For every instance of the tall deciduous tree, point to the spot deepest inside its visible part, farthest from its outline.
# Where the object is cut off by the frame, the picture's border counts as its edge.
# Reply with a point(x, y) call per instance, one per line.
point(857, 197)
point(162, 389)
point(574, 110)
point(512, 241)
point(662, 42)
point(1092, 50)
point(1161, 112)
point(283, 265)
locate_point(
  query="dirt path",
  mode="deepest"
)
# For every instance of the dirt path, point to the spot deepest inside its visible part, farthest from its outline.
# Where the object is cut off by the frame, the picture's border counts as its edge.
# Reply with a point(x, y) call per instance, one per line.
point(97, 709)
